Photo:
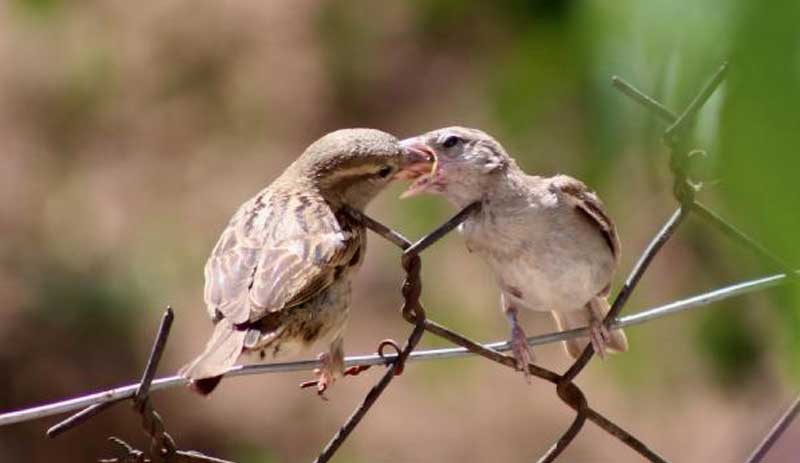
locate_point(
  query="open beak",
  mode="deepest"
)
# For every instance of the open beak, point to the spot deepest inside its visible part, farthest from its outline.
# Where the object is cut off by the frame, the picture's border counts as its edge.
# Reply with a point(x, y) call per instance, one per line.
point(420, 166)
point(418, 159)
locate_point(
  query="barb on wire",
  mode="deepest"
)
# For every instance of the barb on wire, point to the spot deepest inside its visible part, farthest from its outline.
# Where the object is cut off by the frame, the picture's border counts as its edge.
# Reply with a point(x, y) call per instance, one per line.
point(78, 418)
point(687, 116)
point(141, 391)
point(163, 447)
point(640, 317)
point(162, 444)
point(643, 99)
point(684, 193)
point(157, 351)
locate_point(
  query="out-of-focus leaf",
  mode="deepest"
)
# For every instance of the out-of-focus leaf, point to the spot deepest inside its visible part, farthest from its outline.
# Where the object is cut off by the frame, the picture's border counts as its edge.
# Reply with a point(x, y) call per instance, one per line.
point(726, 338)
point(759, 140)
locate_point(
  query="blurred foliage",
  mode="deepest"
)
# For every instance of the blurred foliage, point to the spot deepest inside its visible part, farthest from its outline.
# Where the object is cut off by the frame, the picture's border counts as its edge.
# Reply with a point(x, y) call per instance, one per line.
point(39, 8)
point(759, 136)
point(129, 134)
point(725, 335)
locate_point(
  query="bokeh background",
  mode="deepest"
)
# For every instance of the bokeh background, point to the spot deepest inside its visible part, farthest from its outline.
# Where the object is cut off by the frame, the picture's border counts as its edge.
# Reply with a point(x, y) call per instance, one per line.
point(131, 131)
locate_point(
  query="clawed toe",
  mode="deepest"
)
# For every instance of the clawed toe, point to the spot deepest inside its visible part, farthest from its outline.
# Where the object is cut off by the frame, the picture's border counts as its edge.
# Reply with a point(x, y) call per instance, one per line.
point(521, 350)
point(600, 337)
point(324, 375)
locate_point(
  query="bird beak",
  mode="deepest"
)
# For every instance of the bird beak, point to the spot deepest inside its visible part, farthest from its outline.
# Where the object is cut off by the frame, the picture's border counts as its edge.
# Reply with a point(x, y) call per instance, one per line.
point(420, 165)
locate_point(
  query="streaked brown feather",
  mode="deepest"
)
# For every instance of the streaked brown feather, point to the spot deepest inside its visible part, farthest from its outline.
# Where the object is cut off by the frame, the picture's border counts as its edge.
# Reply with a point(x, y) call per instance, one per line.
point(588, 204)
point(220, 353)
point(267, 259)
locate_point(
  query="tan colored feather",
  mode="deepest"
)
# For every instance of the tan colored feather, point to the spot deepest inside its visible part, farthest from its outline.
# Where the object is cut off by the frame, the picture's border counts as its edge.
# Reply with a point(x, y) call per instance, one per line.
point(587, 203)
point(278, 277)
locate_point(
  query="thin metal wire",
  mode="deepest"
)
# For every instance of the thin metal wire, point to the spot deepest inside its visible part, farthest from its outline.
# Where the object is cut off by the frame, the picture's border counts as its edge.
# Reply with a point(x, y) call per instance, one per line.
point(776, 432)
point(412, 289)
point(638, 271)
point(572, 395)
point(641, 317)
point(413, 312)
point(645, 100)
point(739, 236)
point(688, 114)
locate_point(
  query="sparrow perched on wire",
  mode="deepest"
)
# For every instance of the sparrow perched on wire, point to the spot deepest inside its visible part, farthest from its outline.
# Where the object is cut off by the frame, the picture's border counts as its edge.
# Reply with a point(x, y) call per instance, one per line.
point(278, 279)
point(549, 241)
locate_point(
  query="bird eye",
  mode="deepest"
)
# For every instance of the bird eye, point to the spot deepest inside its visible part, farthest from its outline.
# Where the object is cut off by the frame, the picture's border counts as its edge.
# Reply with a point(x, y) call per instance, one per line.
point(451, 141)
point(385, 171)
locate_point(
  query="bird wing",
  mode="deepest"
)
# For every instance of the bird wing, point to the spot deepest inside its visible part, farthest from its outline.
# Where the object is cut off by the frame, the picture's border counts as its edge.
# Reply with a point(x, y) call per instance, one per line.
point(279, 250)
point(589, 205)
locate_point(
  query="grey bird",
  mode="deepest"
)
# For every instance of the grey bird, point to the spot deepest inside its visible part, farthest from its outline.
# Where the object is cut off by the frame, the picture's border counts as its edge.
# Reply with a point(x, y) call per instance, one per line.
point(278, 279)
point(548, 240)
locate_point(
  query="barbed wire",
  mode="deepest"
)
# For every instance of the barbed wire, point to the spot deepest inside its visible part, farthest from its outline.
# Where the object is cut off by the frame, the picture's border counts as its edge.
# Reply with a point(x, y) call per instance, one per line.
point(684, 189)
point(115, 395)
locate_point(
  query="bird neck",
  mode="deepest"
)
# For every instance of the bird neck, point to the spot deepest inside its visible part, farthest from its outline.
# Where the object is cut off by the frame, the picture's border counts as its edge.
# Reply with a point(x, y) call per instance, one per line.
point(501, 183)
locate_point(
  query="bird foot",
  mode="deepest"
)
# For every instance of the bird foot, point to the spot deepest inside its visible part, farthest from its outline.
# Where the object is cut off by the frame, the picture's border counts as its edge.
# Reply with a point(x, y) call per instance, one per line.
point(521, 350)
point(324, 374)
point(600, 336)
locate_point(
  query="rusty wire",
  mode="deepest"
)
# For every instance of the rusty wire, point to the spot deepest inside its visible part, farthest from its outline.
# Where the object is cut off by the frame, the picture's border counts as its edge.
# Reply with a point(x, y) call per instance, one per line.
point(412, 289)
point(684, 189)
point(162, 445)
point(776, 432)
point(118, 394)
point(567, 391)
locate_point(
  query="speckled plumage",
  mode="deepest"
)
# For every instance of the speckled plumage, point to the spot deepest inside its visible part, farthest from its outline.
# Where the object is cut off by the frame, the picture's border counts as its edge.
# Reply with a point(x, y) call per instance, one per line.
point(548, 241)
point(278, 279)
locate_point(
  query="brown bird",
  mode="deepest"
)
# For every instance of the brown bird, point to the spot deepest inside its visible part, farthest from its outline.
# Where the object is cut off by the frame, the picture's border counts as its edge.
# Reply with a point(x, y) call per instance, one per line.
point(549, 241)
point(278, 279)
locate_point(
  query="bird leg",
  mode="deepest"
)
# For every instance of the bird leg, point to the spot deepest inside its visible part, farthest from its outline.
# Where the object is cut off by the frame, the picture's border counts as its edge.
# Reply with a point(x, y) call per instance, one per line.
point(332, 365)
point(325, 375)
point(325, 379)
point(519, 342)
point(599, 335)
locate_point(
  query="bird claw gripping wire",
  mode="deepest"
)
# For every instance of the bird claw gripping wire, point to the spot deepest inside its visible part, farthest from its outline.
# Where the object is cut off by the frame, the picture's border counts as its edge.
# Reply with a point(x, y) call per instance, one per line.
point(567, 391)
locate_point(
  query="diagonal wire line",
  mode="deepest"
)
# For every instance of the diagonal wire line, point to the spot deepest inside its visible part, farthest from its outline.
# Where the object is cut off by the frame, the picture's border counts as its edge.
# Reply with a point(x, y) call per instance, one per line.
point(775, 433)
point(644, 316)
point(684, 191)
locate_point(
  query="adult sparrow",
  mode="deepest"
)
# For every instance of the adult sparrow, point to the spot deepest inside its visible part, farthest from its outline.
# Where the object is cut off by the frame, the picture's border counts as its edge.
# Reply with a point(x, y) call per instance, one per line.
point(278, 279)
point(548, 240)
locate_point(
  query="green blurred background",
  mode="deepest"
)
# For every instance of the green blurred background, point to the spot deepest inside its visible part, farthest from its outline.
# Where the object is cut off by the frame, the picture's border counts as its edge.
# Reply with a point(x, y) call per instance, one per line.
point(130, 132)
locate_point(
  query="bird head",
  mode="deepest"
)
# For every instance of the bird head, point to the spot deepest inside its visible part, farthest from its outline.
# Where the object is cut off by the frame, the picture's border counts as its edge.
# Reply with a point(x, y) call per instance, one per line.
point(351, 166)
point(464, 163)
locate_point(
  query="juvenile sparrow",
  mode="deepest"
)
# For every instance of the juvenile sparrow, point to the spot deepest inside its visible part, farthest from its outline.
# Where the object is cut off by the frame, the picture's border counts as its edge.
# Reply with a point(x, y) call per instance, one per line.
point(279, 277)
point(549, 241)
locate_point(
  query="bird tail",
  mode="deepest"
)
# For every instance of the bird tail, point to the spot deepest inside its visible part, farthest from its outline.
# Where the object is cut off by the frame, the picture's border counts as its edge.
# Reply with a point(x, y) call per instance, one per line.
point(222, 350)
point(599, 307)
